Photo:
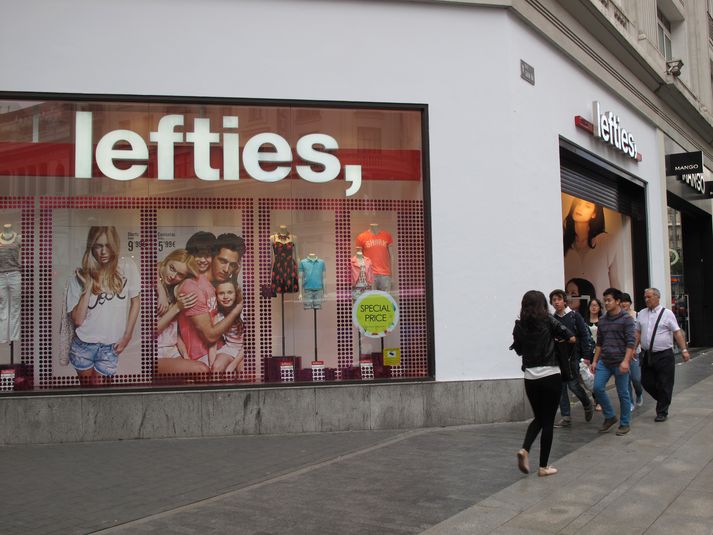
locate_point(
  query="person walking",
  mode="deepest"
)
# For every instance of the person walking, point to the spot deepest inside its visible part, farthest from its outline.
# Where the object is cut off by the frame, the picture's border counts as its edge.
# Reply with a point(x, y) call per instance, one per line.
point(596, 309)
point(656, 326)
point(582, 349)
point(533, 339)
point(616, 339)
point(636, 390)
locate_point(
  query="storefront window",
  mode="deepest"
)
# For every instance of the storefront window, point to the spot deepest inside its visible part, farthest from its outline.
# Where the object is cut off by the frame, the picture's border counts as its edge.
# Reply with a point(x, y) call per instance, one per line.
point(679, 295)
point(597, 251)
point(154, 244)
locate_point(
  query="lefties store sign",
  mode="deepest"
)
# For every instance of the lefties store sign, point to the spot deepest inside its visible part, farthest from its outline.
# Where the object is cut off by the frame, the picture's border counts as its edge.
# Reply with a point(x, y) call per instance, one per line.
point(608, 128)
point(124, 154)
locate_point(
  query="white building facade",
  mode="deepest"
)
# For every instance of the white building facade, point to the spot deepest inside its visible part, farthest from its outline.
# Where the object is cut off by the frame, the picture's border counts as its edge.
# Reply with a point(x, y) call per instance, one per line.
point(504, 94)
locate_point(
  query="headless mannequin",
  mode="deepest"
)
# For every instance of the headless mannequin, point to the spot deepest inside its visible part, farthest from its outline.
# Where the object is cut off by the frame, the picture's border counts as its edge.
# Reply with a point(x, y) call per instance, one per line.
point(375, 244)
point(282, 235)
point(362, 277)
point(313, 296)
point(8, 235)
point(284, 267)
point(313, 301)
point(284, 277)
point(10, 284)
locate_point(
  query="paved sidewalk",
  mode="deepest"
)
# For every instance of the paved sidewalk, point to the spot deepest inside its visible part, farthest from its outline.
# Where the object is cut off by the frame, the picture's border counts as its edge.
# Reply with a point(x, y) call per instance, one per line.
point(657, 479)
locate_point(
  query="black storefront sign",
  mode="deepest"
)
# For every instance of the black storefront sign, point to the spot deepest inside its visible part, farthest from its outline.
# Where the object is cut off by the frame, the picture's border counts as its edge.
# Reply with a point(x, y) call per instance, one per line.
point(698, 184)
point(684, 163)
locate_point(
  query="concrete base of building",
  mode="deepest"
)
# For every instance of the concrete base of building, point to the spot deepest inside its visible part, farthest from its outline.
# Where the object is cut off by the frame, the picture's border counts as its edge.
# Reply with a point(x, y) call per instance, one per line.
point(300, 409)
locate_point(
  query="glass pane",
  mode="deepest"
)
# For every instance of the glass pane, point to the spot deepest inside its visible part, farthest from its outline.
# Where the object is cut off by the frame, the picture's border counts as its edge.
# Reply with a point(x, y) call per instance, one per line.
point(679, 295)
point(597, 251)
point(227, 243)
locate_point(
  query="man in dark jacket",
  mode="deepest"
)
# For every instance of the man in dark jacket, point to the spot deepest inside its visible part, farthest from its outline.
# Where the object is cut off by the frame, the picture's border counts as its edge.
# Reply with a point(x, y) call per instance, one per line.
point(582, 349)
point(616, 339)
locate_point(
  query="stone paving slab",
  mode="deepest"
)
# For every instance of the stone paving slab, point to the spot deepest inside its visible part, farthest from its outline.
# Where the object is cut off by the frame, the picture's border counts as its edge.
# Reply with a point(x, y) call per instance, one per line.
point(381, 482)
point(657, 479)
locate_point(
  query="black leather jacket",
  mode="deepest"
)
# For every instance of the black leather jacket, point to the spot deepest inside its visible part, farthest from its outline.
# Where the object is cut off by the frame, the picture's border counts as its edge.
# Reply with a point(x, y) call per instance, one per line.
point(536, 345)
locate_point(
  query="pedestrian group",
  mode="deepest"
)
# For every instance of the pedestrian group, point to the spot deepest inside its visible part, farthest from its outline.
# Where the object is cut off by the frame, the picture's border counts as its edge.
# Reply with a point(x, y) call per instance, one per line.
point(561, 351)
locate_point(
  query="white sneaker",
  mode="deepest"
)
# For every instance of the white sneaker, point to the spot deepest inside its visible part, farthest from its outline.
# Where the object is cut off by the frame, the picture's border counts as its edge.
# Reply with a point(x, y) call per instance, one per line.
point(633, 406)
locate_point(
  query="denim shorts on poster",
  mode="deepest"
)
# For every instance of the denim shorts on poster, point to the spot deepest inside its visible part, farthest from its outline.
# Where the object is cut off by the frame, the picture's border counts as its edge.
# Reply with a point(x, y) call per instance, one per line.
point(85, 356)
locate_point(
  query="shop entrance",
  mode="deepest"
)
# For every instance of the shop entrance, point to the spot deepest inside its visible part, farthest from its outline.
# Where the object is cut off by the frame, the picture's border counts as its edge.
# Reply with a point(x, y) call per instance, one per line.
point(690, 250)
point(611, 249)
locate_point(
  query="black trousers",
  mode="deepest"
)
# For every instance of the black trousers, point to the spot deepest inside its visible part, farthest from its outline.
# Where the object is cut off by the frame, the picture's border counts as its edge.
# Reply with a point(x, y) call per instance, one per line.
point(657, 376)
point(544, 395)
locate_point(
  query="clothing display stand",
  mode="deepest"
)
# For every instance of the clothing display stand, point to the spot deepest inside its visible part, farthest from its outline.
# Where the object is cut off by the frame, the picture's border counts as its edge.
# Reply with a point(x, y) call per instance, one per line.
point(315, 333)
point(12, 352)
point(359, 341)
point(282, 367)
point(282, 307)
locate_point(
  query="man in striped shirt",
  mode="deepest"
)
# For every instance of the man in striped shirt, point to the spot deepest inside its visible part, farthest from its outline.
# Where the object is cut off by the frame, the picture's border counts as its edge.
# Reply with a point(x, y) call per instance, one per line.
point(616, 340)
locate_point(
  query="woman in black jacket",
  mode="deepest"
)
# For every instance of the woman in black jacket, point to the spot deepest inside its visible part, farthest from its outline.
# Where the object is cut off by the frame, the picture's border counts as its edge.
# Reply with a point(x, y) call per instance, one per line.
point(534, 340)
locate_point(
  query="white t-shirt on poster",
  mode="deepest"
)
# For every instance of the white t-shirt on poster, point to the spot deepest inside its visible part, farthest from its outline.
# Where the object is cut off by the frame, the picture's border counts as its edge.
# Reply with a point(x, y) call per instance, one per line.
point(108, 313)
point(597, 265)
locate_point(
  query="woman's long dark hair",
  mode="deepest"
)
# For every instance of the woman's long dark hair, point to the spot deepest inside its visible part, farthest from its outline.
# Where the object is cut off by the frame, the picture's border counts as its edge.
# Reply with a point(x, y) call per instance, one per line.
point(533, 308)
point(596, 226)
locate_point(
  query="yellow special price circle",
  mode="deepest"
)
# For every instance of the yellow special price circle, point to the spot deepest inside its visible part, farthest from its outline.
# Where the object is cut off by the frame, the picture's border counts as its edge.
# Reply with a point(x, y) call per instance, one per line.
point(375, 313)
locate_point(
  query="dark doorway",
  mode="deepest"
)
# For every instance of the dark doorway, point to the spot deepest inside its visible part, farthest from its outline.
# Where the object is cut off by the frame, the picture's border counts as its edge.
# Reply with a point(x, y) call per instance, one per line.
point(691, 240)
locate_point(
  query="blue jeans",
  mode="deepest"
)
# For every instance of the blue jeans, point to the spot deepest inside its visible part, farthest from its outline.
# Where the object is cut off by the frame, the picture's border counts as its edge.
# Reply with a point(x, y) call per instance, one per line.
point(577, 390)
point(635, 373)
point(621, 380)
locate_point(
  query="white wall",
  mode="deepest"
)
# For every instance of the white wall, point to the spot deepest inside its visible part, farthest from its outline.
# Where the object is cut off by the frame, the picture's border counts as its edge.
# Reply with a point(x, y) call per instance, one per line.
point(493, 137)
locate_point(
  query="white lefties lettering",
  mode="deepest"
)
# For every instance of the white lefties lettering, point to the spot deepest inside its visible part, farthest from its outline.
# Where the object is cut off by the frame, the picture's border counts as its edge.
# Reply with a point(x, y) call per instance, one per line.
point(231, 150)
point(166, 138)
point(106, 154)
point(352, 173)
point(632, 147)
point(306, 151)
point(314, 150)
point(596, 119)
point(83, 144)
point(607, 127)
point(604, 132)
point(202, 137)
point(252, 157)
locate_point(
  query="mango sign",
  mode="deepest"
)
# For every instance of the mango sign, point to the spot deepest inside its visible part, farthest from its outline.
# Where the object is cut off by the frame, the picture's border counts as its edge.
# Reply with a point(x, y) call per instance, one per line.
point(375, 314)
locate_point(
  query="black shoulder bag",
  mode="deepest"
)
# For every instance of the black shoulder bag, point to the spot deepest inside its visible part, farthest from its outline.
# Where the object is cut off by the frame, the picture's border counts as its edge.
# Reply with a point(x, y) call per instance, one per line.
point(565, 353)
point(646, 354)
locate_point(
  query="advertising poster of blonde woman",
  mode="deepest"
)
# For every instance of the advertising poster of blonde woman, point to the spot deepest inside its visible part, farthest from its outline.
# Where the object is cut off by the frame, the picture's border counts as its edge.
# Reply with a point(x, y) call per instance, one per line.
point(596, 249)
point(98, 291)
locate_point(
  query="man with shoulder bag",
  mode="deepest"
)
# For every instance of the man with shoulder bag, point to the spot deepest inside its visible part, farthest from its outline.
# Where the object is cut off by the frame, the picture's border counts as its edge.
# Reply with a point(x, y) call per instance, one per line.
point(582, 349)
point(656, 327)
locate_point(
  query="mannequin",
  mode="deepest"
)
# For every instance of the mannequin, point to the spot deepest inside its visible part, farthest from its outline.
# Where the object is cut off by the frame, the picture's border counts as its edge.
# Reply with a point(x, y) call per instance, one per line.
point(362, 272)
point(375, 244)
point(284, 277)
point(10, 284)
point(312, 271)
point(284, 265)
